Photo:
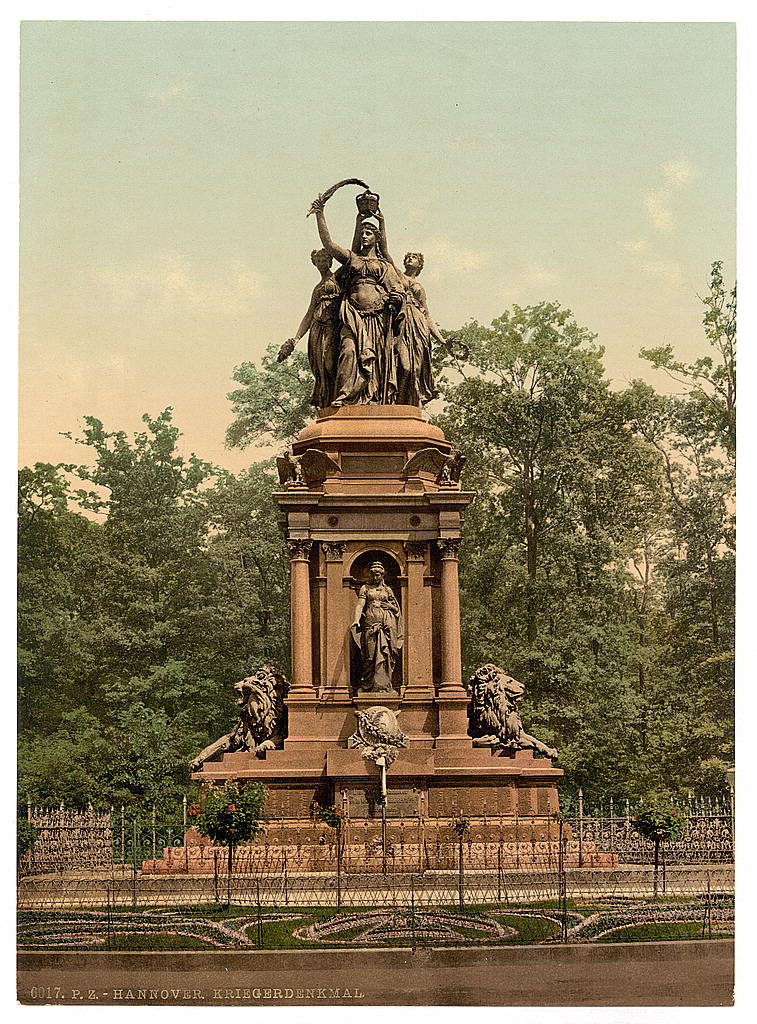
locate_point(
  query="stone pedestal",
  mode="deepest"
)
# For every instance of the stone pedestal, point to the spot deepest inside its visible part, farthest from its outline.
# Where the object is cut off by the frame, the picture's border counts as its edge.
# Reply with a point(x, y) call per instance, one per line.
point(372, 492)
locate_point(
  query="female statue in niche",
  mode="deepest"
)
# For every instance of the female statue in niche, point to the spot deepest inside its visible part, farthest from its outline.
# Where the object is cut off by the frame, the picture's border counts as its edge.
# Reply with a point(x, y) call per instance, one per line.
point(415, 384)
point(370, 313)
point(322, 322)
point(377, 629)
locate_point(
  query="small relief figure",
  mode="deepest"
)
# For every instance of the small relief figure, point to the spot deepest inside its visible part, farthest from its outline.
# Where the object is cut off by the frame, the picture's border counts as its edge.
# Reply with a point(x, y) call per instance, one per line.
point(321, 323)
point(377, 736)
point(370, 310)
point(262, 721)
point(377, 630)
point(494, 718)
point(290, 469)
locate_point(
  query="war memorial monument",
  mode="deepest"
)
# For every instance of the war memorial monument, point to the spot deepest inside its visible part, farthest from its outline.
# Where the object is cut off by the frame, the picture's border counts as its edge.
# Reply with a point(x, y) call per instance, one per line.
point(377, 721)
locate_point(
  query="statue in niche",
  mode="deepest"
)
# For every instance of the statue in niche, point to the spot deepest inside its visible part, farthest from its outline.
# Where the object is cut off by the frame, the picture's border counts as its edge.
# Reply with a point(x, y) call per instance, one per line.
point(377, 630)
point(371, 308)
point(494, 718)
point(321, 324)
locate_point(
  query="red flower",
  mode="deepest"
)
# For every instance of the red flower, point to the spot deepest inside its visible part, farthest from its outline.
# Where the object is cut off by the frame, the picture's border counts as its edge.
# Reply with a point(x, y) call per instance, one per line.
point(193, 810)
point(232, 807)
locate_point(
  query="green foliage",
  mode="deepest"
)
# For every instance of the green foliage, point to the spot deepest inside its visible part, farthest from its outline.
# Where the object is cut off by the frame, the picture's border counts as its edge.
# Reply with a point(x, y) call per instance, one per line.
point(332, 816)
point(273, 402)
point(26, 833)
point(659, 821)
point(599, 567)
point(232, 814)
point(134, 626)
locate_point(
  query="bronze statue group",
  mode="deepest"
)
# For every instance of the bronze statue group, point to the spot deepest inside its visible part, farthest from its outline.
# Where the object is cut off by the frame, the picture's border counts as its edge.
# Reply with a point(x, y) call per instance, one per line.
point(369, 328)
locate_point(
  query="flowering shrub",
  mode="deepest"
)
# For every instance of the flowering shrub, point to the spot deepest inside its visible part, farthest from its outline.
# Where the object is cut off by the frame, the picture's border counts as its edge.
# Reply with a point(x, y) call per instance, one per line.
point(333, 816)
point(660, 822)
point(232, 815)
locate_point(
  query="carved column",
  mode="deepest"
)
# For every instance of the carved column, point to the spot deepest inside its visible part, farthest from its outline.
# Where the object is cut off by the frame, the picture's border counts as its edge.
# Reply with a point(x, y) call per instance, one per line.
point(451, 699)
point(337, 638)
point(301, 620)
point(451, 660)
point(418, 624)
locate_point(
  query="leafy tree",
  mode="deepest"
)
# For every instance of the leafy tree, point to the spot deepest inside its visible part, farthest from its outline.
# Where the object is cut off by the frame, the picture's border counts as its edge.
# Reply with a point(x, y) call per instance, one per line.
point(567, 496)
point(659, 822)
point(232, 815)
point(131, 627)
point(26, 833)
point(273, 402)
point(710, 383)
point(694, 434)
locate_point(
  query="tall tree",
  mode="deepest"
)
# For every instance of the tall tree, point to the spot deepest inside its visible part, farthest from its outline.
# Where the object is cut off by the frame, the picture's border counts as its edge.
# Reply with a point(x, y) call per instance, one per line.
point(566, 497)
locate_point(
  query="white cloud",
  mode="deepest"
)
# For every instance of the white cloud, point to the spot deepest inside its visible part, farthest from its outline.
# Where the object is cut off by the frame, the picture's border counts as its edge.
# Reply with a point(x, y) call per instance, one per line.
point(676, 175)
point(678, 172)
point(637, 245)
point(442, 255)
point(659, 212)
point(667, 272)
point(176, 279)
point(176, 90)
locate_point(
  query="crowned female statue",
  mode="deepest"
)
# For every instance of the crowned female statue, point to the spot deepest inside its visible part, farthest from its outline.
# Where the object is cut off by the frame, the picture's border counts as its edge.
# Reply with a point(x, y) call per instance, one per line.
point(371, 309)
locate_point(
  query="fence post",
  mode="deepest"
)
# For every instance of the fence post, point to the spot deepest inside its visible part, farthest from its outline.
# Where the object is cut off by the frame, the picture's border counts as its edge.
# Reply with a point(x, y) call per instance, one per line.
point(134, 860)
point(563, 883)
point(154, 854)
point(184, 810)
point(123, 835)
point(286, 890)
point(580, 828)
point(461, 869)
point(339, 863)
point(260, 919)
point(499, 869)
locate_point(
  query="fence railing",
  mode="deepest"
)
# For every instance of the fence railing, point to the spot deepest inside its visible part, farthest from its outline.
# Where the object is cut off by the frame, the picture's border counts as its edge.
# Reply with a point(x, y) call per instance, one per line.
point(125, 839)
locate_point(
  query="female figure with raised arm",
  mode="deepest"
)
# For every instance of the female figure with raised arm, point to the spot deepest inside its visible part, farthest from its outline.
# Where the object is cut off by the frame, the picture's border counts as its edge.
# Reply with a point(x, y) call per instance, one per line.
point(377, 629)
point(322, 322)
point(415, 376)
point(370, 313)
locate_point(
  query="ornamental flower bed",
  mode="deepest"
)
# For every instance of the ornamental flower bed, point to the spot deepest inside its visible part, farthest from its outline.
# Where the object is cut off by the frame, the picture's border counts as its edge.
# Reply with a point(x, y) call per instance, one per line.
point(48, 930)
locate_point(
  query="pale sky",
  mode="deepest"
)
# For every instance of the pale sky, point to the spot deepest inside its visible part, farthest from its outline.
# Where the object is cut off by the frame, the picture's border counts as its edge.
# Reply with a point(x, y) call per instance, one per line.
point(167, 167)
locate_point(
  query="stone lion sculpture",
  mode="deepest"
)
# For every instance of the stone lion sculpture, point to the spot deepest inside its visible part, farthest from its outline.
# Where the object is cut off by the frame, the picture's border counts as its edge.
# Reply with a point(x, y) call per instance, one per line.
point(261, 724)
point(494, 718)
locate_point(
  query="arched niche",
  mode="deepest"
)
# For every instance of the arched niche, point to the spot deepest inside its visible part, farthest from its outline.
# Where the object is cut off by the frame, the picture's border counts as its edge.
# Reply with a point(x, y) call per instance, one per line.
point(359, 571)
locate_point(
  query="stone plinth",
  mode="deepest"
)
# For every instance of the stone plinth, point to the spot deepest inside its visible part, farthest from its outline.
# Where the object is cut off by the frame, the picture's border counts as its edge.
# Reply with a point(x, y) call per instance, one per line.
point(373, 490)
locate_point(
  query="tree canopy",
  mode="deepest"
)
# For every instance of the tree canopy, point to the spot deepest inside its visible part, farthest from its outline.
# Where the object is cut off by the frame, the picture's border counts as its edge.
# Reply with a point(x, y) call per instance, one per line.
point(598, 566)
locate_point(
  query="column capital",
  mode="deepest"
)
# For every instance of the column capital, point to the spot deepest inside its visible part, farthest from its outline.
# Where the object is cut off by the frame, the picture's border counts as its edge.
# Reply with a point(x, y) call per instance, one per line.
point(299, 550)
point(416, 549)
point(449, 547)
point(333, 550)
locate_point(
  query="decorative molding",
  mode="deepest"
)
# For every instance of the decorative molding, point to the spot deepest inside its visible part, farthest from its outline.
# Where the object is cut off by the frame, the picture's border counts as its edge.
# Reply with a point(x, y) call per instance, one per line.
point(334, 550)
point(449, 547)
point(299, 550)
